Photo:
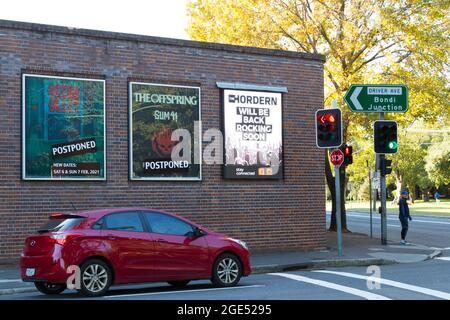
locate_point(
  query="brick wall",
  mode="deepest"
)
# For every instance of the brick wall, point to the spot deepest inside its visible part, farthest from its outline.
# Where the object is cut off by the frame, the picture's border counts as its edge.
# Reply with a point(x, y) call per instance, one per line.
point(269, 215)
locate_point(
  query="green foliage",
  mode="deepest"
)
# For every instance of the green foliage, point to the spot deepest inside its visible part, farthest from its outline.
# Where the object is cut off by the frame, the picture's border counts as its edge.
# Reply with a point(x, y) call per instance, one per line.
point(438, 162)
point(364, 41)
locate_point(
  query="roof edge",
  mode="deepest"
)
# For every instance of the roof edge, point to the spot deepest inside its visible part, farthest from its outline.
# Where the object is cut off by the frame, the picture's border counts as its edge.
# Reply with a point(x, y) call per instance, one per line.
point(38, 27)
point(249, 86)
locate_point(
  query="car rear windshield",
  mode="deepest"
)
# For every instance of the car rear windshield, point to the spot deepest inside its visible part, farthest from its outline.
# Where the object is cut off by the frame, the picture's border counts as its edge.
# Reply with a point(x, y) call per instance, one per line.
point(54, 225)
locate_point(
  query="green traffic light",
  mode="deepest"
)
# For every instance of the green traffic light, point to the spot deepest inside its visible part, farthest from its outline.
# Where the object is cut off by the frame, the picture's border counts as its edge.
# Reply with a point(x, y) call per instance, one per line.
point(393, 145)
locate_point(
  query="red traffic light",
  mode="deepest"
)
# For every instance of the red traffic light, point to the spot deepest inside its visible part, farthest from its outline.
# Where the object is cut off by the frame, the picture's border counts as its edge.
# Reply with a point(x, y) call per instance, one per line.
point(348, 154)
point(326, 118)
point(328, 128)
point(348, 150)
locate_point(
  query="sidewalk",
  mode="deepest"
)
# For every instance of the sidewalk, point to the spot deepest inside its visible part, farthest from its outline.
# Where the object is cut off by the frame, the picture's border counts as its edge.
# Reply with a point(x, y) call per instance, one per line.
point(359, 250)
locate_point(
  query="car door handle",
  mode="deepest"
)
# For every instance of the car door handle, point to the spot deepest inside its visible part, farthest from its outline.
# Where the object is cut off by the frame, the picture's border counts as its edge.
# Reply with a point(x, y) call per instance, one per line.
point(162, 241)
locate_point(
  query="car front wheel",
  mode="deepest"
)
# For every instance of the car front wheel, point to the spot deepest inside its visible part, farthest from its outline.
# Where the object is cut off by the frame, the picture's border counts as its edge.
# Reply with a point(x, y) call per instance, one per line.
point(227, 271)
point(96, 278)
point(50, 288)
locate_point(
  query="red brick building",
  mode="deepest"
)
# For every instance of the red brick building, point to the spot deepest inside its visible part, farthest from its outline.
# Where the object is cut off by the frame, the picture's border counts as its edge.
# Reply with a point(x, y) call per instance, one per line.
point(279, 214)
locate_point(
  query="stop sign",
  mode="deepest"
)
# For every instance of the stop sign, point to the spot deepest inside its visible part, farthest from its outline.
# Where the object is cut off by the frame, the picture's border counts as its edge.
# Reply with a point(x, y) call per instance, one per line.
point(337, 157)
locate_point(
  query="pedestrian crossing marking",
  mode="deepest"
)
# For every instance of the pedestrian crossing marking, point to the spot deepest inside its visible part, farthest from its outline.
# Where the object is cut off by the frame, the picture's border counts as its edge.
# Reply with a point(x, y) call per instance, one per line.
point(397, 284)
point(361, 293)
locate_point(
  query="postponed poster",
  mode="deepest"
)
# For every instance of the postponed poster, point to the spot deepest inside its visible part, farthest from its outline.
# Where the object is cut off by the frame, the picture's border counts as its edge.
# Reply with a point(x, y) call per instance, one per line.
point(164, 132)
point(253, 134)
point(63, 128)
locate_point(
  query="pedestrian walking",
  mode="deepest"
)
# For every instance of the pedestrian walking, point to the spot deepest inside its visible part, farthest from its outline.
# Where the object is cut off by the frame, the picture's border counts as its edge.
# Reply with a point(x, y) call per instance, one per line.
point(437, 197)
point(404, 216)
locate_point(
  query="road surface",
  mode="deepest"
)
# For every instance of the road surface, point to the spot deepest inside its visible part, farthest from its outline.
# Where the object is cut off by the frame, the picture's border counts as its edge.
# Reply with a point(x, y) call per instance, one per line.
point(425, 280)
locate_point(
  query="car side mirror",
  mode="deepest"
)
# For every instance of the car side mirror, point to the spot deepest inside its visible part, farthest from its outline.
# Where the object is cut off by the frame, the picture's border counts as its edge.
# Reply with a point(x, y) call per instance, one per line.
point(196, 233)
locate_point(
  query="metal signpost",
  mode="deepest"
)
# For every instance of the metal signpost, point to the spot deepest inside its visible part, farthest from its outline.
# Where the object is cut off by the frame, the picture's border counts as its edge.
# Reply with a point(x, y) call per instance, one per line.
point(376, 185)
point(337, 158)
point(378, 98)
point(370, 197)
point(329, 132)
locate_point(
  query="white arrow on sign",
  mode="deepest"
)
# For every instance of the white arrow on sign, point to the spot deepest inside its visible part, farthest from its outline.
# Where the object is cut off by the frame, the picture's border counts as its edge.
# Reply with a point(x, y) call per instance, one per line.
point(354, 98)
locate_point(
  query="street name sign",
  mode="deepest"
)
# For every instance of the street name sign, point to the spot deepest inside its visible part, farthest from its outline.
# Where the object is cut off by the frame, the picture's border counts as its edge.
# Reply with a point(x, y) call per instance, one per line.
point(377, 98)
point(337, 157)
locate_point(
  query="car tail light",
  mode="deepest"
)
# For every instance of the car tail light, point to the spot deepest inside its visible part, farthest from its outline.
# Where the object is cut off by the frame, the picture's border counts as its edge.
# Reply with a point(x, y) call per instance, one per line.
point(61, 239)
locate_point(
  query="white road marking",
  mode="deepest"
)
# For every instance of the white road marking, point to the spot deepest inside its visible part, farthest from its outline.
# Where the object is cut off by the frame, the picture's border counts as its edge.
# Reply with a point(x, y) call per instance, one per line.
point(393, 226)
point(367, 216)
point(443, 258)
point(364, 294)
point(180, 291)
point(10, 280)
point(401, 285)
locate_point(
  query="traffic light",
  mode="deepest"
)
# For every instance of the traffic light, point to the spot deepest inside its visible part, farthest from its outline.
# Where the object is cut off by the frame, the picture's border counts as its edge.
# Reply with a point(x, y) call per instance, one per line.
point(385, 136)
point(385, 166)
point(348, 154)
point(328, 128)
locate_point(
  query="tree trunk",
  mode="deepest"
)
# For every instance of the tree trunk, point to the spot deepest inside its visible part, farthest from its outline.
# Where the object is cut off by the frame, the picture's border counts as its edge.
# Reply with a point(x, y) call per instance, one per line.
point(343, 182)
point(399, 186)
point(426, 194)
point(331, 187)
point(413, 193)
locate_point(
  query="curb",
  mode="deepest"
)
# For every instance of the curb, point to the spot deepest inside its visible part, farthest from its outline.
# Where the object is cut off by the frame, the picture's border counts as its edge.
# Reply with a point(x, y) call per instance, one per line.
point(16, 290)
point(317, 264)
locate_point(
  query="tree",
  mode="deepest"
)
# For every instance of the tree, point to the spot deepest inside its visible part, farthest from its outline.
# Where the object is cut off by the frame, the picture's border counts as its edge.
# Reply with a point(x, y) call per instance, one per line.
point(409, 166)
point(358, 172)
point(438, 162)
point(364, 41)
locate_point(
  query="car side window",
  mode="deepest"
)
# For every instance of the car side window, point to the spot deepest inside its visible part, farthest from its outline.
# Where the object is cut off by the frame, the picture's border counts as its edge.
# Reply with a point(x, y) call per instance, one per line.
point(124, 221)
point(98, 225)
point(165, 224)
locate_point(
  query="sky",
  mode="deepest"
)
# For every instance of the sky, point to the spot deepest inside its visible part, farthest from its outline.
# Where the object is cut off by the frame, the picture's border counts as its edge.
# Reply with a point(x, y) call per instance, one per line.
point(162, 18)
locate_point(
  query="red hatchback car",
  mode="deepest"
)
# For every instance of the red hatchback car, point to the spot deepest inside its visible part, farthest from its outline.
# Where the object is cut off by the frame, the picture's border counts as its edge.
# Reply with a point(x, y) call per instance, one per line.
point(128, 245)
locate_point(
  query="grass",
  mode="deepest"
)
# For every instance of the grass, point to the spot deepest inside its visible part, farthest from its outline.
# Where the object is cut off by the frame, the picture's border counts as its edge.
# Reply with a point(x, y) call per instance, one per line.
point(419, 207)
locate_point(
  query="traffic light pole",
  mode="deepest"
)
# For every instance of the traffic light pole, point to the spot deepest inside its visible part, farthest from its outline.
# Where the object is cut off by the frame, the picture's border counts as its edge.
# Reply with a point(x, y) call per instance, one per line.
point(381, 159)
point(375, 190)
point(337, 187)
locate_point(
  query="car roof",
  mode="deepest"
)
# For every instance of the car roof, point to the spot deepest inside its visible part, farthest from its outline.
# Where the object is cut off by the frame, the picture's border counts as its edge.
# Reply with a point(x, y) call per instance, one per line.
point(98, 213)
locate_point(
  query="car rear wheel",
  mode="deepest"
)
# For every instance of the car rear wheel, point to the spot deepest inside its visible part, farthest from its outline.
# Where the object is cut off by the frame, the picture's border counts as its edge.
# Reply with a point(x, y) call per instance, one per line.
point(96, 278)
point(179, 284)
point(50, 288)
point(227, 270)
